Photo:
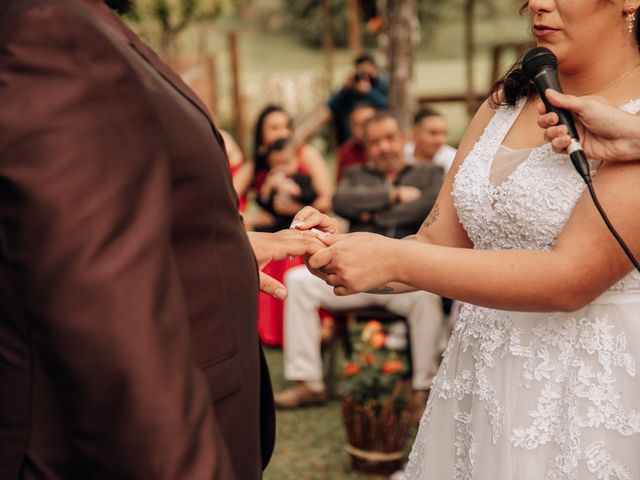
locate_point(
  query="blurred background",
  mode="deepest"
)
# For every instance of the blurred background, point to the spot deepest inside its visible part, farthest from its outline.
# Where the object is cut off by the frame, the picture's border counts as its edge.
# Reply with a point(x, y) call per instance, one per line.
point(242, 54)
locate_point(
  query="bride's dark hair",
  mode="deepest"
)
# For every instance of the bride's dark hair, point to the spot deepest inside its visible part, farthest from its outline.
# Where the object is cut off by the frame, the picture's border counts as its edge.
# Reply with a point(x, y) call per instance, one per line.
point(515, 85)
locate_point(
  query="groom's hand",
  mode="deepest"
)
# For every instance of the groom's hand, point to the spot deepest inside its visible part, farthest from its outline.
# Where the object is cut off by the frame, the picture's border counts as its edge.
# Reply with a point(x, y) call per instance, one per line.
point(268, 247)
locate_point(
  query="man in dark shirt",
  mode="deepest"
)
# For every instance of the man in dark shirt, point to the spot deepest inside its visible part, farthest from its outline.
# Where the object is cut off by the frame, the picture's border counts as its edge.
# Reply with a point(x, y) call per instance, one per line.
point(384, 196)
point(366, 85)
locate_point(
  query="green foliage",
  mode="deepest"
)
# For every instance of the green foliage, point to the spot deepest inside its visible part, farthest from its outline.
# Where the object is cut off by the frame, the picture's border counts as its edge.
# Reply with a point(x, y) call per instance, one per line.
point(374, 371)
point(164, 20)
point(305, 18)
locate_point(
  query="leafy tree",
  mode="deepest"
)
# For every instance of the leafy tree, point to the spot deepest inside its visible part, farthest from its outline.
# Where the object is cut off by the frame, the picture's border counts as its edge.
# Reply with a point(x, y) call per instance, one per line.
point(165, 20)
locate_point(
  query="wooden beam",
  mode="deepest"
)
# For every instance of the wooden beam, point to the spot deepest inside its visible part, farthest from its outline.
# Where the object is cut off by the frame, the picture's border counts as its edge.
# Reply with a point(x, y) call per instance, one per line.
point(452, 97)
point(236, 93)
point(469, 51)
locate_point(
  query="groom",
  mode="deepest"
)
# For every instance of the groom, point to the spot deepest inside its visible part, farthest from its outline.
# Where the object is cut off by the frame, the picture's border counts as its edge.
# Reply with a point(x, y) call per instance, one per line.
point(128, 286)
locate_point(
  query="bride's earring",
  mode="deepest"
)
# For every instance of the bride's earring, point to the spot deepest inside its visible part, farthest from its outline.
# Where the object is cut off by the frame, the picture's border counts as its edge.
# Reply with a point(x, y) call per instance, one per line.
point(631, 19)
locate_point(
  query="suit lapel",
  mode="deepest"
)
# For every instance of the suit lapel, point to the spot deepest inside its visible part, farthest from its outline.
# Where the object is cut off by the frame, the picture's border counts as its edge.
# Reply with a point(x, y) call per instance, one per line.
point(169, 75)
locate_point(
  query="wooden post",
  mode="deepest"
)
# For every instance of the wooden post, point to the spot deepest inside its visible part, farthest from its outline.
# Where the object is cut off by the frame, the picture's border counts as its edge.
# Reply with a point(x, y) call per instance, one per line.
point(212, 74)
point(354, 20)
point(495, 62)
point(327, 42)
point(236, 93)
point(469, 53)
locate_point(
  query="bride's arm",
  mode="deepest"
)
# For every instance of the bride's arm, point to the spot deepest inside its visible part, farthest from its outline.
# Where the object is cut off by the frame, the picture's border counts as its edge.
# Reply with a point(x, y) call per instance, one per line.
point(442, 226)
point(585, 261)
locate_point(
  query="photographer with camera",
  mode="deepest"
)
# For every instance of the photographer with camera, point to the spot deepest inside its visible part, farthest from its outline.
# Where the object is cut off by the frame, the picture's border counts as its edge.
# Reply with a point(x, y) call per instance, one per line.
point(365, 85)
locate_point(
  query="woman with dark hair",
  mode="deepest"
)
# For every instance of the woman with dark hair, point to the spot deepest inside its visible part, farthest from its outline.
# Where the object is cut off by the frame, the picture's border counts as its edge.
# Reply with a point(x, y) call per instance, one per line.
point(539, 380)
point(287, 178)
point(274, 124)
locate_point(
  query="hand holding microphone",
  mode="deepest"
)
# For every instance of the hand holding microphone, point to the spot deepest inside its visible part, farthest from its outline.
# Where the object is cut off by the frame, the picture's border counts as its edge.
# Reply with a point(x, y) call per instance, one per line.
point(540, 65)
point(608, 133)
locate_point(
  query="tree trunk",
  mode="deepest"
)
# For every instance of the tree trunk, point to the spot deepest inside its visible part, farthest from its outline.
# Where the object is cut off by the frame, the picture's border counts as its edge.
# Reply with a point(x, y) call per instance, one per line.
point(403, 30)
point(327, 44)
point(469, 54)
point(355, 36)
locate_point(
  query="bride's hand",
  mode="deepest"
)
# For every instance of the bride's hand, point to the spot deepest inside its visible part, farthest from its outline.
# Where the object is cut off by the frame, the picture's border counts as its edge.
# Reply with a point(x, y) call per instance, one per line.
point(308, 218)
point(356, 262)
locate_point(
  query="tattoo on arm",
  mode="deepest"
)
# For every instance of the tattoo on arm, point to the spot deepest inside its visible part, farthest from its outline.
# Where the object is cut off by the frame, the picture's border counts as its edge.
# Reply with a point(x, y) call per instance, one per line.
point(384, 290)
point(433, 216)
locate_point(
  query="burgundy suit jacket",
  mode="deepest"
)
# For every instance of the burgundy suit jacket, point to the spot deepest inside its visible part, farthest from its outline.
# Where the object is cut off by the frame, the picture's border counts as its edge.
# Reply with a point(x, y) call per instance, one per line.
point(128, 287)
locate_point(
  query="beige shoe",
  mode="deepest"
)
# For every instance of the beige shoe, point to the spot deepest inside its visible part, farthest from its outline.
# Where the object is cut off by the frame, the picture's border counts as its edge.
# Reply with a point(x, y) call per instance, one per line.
point(299, 395)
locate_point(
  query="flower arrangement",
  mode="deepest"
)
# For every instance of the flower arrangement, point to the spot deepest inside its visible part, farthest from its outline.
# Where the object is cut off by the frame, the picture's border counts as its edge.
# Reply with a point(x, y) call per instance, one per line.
point(374, 403)
point(373, 372)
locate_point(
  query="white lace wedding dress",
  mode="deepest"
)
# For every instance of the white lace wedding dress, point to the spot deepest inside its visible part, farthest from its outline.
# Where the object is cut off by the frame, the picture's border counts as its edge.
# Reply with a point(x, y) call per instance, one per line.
point(532, 396)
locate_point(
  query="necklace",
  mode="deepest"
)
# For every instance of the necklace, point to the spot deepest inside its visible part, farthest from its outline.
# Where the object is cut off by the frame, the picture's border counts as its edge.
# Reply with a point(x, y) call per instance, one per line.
point(612, 82)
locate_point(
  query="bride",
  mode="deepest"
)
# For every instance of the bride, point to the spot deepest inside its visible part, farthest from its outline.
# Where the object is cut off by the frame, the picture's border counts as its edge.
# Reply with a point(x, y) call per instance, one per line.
point(539, 379)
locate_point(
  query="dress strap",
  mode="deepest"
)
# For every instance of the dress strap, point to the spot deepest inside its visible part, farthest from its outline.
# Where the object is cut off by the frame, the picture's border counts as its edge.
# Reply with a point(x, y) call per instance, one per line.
point(498, 127)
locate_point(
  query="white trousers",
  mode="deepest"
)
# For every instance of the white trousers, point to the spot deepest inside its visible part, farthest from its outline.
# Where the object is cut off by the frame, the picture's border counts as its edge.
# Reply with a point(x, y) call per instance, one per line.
point(308, 293)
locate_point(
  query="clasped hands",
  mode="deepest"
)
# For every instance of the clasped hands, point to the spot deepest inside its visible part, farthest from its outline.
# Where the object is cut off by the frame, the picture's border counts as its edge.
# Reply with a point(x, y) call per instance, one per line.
point(350, 263)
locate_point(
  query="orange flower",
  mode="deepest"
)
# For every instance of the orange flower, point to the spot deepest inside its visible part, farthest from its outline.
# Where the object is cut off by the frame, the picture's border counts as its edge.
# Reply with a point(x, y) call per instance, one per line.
point(371, 327)
point(392, 366)
point(377, 340)
point(350, 370)
point(368, 358)
point(375, 24)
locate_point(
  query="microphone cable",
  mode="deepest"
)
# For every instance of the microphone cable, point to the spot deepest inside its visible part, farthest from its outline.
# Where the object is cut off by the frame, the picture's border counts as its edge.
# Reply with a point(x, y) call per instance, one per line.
point(613, 231)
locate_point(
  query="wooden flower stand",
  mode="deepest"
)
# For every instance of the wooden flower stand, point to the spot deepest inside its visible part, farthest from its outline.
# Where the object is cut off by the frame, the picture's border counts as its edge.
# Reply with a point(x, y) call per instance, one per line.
point(377, 435)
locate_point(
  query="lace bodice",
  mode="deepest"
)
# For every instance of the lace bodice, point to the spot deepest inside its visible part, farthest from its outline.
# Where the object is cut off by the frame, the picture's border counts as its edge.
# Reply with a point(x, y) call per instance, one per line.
point(529, 209)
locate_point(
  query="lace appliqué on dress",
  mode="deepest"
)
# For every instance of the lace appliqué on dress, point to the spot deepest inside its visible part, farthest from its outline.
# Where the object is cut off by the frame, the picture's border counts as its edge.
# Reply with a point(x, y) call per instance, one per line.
point(578, 356)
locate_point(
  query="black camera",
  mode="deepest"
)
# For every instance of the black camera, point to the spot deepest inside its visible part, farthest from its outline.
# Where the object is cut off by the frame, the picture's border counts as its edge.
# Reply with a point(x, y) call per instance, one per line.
point(359, 76)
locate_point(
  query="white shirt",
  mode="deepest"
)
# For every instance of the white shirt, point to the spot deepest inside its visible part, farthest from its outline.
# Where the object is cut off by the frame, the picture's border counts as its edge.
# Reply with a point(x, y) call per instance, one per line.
point(443, 157)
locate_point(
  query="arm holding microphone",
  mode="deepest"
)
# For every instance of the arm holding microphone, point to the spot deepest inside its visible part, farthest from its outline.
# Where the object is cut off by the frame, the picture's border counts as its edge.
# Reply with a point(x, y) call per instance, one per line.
point(608, 133)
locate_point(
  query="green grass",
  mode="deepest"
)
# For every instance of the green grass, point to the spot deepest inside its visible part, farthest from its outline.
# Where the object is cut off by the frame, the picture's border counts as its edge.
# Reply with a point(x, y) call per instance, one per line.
point(310, 441)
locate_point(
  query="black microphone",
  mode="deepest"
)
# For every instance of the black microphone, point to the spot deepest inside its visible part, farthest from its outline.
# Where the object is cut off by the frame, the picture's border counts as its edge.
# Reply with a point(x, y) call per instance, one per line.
point(540, 66)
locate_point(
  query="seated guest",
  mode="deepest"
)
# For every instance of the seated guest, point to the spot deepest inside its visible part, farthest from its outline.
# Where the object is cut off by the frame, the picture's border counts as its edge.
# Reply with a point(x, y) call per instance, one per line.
point(384, 196)
point(352, 151)
point(430, 134)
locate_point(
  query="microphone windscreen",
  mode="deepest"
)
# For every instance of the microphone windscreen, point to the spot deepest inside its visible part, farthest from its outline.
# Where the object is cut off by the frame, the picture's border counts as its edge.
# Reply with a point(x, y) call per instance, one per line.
point(537, 59)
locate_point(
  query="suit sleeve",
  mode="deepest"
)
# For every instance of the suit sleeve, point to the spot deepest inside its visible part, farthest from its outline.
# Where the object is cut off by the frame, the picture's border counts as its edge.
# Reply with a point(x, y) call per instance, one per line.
point(85, 228)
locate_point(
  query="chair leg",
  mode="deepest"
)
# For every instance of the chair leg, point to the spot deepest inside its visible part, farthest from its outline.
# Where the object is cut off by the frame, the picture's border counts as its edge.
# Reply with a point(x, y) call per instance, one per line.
point(329, 374)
